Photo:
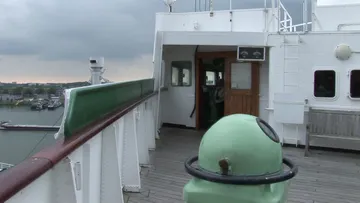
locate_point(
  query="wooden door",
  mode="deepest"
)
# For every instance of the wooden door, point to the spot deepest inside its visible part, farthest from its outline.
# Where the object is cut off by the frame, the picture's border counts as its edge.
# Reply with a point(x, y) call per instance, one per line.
point(241, 87)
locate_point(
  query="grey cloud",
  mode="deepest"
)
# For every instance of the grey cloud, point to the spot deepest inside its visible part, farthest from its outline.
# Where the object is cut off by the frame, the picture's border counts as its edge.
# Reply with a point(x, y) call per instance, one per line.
point(76, 29)
point(67, 29)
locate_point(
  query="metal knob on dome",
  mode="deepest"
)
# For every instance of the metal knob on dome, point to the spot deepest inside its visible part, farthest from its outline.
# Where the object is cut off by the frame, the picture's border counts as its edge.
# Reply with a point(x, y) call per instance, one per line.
point(240, 160)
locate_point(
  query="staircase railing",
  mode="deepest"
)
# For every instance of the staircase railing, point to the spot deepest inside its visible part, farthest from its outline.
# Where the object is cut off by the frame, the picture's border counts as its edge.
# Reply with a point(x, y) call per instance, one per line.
point(105, 136)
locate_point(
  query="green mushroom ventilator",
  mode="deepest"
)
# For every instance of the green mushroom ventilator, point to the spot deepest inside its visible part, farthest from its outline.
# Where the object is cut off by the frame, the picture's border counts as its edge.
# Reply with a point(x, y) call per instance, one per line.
point(240, 161)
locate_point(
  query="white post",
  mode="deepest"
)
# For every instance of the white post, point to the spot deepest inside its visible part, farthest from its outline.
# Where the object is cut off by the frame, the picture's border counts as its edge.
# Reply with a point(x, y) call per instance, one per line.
point(265, 17)
point(313, 16)
point(279, 14)
point(96, 68)
point(305, 5)
point(273, 13)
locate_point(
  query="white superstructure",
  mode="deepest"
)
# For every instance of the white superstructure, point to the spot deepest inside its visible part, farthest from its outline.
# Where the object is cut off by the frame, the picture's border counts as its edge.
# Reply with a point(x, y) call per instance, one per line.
point(323, 49)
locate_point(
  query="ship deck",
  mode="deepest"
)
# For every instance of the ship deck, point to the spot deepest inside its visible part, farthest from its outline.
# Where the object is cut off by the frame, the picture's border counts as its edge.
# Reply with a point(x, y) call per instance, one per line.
point(324, 177)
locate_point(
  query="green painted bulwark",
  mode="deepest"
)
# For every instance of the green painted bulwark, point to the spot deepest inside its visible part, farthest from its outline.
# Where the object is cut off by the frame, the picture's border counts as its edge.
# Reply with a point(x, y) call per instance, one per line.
point(89, 104)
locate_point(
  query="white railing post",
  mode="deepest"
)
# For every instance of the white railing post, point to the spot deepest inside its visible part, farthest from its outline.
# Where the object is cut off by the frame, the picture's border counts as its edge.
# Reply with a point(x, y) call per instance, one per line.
point(279, 14)
point(130, 161)
point(86, 163)
point(110, 168)
point(55, 185)
point(142, 135)
point(94, 150)
point(305, 16)
point(150, 123)
point(63, 188)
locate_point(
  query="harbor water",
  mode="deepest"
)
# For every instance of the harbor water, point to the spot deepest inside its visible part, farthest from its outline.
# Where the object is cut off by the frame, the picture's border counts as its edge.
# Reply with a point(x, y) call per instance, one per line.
point(15, 146)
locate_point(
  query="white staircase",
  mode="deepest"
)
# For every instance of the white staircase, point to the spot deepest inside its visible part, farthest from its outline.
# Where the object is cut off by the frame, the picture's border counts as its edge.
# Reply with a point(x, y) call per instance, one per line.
point(290, 132)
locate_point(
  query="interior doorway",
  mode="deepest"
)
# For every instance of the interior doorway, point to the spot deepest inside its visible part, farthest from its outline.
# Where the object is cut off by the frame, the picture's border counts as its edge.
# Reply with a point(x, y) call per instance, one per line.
point(211, 91)
point(224, 86)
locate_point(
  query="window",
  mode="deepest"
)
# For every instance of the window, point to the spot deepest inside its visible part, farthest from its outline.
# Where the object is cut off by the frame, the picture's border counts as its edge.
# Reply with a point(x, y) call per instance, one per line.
point(241, 76)
point(355, 84)
point(210, 78)
point(324, 83)
point(181, 73)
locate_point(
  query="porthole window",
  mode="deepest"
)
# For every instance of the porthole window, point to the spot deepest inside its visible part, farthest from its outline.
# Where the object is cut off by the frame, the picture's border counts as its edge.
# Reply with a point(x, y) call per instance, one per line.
point(268, 130)
point(355, 84)
point(324, 83)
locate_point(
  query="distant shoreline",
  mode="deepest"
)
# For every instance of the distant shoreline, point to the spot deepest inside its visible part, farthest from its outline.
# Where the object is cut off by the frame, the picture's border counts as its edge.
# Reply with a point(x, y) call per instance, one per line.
point(13, 104)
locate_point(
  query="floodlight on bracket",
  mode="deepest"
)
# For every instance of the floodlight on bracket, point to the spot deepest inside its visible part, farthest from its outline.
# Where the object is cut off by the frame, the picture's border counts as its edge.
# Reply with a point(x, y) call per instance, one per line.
point(169, 3)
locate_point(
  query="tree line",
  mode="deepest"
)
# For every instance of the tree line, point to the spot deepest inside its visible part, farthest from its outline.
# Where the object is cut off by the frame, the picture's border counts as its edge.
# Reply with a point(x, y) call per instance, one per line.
point(29, 91)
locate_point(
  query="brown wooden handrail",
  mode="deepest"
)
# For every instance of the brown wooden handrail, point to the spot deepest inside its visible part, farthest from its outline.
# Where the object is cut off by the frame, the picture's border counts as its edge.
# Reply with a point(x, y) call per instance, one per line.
point(18, 177)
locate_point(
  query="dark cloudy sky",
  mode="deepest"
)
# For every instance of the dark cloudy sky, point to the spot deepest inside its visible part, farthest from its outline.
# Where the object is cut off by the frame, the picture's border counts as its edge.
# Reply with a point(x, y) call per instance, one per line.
point(51, 40)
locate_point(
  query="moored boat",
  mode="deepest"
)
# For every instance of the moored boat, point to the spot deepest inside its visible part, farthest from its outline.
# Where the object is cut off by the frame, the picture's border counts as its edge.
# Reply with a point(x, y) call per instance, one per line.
point(54, 105)
point(8, 126)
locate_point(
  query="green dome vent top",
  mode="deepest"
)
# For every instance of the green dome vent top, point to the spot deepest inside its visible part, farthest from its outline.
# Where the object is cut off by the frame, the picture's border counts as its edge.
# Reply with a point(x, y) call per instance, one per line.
point(239, 151)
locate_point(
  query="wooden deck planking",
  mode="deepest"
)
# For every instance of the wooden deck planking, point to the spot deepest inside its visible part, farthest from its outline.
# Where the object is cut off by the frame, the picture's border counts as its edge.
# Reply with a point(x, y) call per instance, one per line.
point(324, 177)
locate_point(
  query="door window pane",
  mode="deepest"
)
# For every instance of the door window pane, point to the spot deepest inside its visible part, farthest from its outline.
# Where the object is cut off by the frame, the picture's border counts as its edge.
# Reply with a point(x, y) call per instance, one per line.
point(241, 76)
point(324, 83)
point(210, 78)
point(186, 77)
point(175, 76)
point(181, 73)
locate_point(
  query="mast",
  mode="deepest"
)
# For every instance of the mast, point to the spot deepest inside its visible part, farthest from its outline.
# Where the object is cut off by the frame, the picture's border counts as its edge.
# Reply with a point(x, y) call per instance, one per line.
point(97, 70)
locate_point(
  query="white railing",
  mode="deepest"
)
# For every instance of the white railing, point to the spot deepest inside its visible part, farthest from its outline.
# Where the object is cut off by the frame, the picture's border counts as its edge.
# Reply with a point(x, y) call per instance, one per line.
point(101, 168)
point(304, 26)
point(297, 28)
point(208, 5)
point(285, 19)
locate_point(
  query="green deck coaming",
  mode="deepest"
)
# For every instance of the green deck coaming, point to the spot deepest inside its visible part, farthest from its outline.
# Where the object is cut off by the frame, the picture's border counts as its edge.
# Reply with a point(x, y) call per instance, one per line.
point(89, 104)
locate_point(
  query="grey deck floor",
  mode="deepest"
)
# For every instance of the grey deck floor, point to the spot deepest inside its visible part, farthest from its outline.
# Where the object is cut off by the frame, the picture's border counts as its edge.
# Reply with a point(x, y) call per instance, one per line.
point(324, 177)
